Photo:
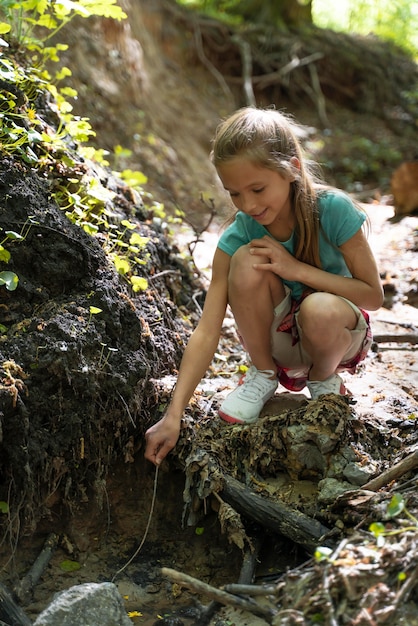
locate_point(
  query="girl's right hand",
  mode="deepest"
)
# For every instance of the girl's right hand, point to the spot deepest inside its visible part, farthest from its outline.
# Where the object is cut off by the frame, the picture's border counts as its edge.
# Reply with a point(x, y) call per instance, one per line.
point(161, 439)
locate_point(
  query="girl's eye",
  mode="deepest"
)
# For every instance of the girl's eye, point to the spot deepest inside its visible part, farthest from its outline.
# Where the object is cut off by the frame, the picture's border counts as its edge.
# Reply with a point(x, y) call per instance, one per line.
point(258, 190)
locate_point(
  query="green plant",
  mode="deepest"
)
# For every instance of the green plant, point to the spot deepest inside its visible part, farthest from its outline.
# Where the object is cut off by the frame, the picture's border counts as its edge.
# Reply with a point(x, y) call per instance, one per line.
point(396, 506)
point(10, 279)
point(25, 135)
point(34, 22)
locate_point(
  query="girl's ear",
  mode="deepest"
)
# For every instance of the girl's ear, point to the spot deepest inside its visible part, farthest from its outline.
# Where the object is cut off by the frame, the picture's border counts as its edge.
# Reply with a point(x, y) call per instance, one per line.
point(295, 162)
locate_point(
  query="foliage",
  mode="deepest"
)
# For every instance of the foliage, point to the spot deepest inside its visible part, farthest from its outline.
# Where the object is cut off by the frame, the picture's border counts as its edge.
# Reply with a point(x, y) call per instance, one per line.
point(392, 21)
point(48, 146)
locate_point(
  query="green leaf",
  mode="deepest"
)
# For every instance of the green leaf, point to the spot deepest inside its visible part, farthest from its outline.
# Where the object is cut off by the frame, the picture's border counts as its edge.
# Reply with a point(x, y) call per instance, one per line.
point(139, 283)
point(122, 265)
point(138, 240)
point(12, 235)
point(70, 566)
point(94, 310)
point(10, 279)
point(4, 255)
point(396, 505)
point(4, 507)
point(4, 28)
point(199, 530)
point(377, 528)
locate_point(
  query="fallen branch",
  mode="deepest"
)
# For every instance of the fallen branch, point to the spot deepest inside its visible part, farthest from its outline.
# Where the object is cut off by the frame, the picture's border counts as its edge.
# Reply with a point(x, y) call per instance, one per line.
point(405, 338)
point(218, 595)
point(393, 473)
point(275, 515)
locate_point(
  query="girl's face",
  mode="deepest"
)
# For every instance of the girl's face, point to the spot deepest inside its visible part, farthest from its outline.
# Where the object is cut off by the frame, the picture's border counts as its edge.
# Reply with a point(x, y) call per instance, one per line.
point(257, 191)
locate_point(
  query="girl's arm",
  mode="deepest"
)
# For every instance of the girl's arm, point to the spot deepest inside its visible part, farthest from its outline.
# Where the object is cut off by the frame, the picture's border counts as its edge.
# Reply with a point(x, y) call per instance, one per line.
point(163, 436)
point(364, 288)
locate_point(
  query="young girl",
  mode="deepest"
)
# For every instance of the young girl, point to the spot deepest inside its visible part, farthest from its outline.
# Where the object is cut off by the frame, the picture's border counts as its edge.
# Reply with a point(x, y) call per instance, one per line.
point(295, 268)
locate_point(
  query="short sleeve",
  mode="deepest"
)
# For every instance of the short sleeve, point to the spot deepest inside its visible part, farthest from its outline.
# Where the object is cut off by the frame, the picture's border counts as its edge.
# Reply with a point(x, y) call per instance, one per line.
point(340, 218)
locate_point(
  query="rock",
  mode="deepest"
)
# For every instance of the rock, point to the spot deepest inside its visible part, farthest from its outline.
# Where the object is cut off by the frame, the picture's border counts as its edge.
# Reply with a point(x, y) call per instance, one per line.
point(330, 489)
point(356, 474)
point(91, 604)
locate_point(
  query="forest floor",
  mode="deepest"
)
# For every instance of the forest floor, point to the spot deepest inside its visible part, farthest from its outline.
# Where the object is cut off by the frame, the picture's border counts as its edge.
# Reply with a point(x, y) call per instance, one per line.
point(385, 390)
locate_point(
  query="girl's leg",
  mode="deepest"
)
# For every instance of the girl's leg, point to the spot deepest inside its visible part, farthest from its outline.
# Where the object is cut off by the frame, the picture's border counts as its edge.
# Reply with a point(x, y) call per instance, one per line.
point(325, 321)
point(253, 296)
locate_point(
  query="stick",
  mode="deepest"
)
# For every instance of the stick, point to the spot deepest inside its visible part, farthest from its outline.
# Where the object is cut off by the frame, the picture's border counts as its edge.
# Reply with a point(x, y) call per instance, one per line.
point(24, 588)
point(406, 338)
point(10, 612)
point(246, 577)
point(216, 594)
point(398, 470)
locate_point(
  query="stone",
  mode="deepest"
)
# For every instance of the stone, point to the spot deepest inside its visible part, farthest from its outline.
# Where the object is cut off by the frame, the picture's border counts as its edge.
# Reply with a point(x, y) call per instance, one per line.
point(90, 604)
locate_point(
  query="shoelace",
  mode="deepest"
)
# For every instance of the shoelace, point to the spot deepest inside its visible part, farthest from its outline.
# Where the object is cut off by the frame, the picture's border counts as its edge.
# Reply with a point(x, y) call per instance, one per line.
point(256, 382)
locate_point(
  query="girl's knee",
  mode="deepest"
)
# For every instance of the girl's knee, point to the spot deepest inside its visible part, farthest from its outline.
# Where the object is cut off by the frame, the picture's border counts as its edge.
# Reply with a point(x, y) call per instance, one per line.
point(324, 312)
point(242, 273)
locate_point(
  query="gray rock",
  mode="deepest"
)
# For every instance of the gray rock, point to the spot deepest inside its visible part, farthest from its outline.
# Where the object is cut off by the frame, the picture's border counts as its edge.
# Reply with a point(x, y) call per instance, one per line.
point(91, 604)
point(330, 489)
point(356, 474)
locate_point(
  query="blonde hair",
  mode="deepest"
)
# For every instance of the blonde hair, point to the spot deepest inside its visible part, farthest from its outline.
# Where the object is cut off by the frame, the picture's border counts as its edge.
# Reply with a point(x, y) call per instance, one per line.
point(269, 139)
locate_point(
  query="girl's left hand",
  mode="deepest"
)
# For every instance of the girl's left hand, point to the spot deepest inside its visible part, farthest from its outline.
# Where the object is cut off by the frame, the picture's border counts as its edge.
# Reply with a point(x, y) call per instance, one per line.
point(281, 261)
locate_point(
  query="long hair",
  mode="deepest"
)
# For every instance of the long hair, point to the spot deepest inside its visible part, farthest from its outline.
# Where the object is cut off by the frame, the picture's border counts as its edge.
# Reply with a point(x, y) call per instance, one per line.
point(269, 138)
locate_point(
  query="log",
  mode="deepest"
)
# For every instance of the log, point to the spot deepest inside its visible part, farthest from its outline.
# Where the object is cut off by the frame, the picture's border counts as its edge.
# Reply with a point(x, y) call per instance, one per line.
point(10, 613)
point(407, 464)
point(24, 588)
point(275, 515)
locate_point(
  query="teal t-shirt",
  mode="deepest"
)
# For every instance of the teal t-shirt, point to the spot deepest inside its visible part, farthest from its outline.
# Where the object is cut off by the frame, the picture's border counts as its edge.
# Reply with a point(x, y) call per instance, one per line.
point(339, 218)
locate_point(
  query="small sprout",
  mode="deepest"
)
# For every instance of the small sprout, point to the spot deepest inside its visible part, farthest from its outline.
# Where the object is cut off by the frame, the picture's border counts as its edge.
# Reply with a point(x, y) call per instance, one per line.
point(94, 310)
point(4, 507)
point(199, 531)
point(139, 283)
point(122, 265)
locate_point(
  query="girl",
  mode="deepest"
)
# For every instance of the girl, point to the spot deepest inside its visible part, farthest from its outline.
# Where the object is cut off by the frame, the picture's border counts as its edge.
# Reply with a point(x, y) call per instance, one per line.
point(295, 268)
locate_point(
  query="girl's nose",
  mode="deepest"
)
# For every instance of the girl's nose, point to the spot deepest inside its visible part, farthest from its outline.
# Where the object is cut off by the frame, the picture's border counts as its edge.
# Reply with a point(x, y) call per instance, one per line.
point(248, 204)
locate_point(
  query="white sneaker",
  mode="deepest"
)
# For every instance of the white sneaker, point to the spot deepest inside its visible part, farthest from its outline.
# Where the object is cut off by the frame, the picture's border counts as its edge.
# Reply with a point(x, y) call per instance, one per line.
point(243, 405)
point(332, 384)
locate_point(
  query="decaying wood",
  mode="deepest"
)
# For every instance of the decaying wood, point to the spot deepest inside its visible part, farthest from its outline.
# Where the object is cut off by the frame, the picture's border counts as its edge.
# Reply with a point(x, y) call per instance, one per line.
point(275, 515)
point(393, 473)
point(223, 597)
point(405, 338)
point(25, 587)
point(10, 612)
